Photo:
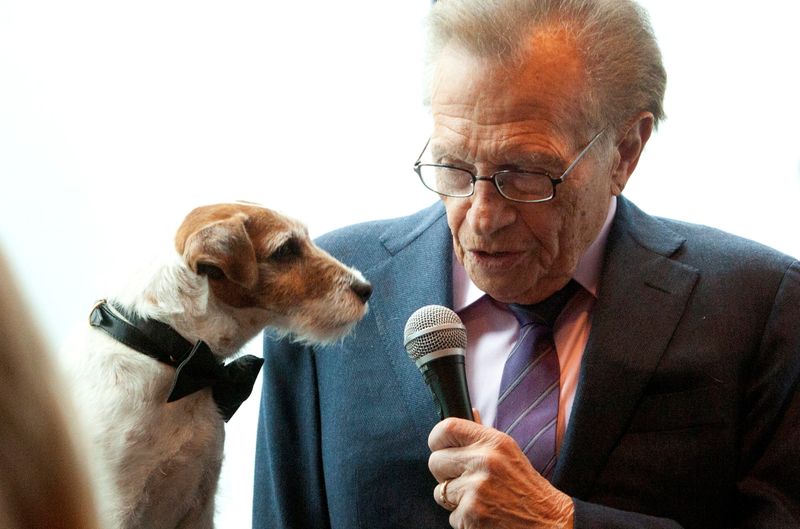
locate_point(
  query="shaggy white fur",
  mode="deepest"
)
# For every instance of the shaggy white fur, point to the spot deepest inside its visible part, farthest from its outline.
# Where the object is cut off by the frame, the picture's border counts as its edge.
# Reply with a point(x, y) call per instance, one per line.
point(239, 268)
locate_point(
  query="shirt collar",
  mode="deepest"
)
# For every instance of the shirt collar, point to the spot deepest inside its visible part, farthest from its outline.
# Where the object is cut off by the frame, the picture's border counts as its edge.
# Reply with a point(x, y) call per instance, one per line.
point(587, 273)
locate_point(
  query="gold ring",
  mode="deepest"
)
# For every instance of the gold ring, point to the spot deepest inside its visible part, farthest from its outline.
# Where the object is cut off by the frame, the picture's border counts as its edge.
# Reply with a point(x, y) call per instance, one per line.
point(443, 496)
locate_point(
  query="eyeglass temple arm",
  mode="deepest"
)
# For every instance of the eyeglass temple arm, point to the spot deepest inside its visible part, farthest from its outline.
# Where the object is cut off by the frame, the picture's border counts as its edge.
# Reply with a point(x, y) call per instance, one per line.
point(423, 151)
point(580, 155)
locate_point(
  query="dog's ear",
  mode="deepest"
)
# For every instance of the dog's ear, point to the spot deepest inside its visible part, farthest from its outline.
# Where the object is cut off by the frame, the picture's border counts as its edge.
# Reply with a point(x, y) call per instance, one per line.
point(221, 248)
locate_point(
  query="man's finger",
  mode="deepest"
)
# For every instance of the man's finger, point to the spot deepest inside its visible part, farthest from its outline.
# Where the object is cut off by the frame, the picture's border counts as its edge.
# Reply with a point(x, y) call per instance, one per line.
point(453, 432)
point(445, 494)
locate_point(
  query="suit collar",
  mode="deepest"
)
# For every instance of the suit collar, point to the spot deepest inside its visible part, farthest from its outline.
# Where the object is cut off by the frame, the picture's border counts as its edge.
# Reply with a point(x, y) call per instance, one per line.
point(399, 235)
point(624, 345)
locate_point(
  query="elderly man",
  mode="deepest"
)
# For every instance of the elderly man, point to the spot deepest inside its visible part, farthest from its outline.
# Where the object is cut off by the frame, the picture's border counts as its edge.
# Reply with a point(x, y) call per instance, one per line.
point(659, 391)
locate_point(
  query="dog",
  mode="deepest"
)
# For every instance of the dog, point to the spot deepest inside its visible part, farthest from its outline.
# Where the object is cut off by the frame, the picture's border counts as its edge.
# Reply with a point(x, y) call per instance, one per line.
point(238, 268)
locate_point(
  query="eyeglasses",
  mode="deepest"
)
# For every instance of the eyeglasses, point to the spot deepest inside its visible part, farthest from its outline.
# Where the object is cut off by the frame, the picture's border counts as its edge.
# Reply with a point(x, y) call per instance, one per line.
point(517, 186)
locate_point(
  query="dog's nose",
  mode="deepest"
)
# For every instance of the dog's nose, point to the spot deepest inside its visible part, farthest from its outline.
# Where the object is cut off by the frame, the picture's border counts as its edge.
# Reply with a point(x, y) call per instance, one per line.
point(363, 289)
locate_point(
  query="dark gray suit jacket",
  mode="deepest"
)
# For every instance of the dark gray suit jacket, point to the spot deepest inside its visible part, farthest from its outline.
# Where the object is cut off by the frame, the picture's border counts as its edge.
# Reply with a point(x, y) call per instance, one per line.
point(687, 411)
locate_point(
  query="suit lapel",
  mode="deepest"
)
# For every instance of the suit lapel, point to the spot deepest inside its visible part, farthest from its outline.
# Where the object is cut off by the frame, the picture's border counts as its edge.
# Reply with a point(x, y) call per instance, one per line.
point(417, 273)
point(623, 349)
point(624, 345)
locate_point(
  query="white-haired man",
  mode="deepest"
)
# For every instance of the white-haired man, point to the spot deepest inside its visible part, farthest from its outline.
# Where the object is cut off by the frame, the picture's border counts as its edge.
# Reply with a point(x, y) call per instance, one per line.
point(675, 402)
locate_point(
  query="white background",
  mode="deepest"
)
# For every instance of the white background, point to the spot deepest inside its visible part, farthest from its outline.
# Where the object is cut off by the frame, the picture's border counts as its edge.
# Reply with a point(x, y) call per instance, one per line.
point(117, 118)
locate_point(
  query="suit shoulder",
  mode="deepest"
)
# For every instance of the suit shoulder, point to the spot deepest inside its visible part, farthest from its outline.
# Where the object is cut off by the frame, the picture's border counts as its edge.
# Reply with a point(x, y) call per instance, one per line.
point(717, 248)
point(363, 243)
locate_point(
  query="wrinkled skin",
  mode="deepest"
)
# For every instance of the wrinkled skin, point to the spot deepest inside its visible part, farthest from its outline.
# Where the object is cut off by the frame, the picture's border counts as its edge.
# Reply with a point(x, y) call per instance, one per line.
point(488, 119)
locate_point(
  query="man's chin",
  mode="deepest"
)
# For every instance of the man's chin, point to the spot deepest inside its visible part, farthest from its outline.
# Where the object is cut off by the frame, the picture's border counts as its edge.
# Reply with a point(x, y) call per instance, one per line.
point(503, 290)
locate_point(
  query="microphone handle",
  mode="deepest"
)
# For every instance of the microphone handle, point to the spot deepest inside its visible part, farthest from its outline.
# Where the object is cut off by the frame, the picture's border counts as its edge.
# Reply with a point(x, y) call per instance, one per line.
point(447, 380)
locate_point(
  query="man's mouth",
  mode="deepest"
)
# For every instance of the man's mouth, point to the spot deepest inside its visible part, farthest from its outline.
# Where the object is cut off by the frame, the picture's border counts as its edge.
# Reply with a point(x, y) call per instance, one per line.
point(495, 260)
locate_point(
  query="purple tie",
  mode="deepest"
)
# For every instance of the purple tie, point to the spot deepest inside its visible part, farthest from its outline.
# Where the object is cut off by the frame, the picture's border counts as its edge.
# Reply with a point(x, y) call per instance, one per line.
point(527, 406)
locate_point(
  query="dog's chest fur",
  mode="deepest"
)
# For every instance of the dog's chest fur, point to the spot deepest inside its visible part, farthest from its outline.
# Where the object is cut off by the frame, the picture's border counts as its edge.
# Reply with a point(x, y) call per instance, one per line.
point(157, 464)
point(166, 458)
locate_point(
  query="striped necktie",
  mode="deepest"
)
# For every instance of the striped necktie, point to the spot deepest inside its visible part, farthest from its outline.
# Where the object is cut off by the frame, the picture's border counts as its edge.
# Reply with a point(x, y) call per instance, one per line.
point(527, 406)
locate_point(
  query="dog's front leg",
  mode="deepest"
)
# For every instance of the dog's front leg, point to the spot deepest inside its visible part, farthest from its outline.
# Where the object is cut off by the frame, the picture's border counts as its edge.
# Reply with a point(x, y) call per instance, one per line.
point(201, 517)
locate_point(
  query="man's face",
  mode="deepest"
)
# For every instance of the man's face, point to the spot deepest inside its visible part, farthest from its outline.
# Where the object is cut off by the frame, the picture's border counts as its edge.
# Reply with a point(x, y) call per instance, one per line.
point(488, 119)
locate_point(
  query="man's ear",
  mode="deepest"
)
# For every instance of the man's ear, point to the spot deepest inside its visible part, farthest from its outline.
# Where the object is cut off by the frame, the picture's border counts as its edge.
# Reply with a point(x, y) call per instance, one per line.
point(629, 149)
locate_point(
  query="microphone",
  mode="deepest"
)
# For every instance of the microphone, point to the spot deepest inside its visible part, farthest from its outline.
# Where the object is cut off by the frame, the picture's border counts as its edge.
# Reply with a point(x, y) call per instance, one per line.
point(436, 340)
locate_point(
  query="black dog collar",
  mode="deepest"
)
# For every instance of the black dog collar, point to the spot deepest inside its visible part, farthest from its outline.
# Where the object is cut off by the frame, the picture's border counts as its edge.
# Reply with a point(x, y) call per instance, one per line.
point(195, 365)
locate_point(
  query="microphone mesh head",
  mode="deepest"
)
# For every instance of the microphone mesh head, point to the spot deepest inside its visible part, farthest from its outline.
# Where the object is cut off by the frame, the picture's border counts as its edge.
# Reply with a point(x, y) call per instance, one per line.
point(430, 317)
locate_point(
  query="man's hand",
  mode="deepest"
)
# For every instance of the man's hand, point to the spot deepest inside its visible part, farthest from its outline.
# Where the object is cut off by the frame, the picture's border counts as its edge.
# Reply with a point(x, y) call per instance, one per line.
point(489, 483)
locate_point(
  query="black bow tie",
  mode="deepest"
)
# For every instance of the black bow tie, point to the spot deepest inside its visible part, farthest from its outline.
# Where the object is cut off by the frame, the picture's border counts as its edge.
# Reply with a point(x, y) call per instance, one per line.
point(195, 365)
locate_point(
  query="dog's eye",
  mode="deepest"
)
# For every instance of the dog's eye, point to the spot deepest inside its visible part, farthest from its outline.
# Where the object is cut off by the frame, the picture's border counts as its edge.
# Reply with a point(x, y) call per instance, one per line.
point(287, 251)
point(213, 272)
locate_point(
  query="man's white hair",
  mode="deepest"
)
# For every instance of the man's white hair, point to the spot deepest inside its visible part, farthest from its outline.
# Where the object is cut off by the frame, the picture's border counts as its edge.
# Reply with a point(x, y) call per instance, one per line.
point(623, 64)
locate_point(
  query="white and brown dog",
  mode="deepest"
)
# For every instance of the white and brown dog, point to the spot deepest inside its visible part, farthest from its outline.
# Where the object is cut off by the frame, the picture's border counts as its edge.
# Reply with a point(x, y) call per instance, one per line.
point(151, 371)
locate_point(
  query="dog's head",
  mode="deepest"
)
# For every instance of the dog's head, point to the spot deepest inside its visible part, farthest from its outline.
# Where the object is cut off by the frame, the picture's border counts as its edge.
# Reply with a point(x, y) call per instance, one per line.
point(256, 258)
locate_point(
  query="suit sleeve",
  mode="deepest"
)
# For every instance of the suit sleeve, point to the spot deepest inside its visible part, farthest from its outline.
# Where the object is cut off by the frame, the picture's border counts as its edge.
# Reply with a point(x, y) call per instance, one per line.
point(288, 481)
point(769, 484)
point(767, 491)
point(594, 516)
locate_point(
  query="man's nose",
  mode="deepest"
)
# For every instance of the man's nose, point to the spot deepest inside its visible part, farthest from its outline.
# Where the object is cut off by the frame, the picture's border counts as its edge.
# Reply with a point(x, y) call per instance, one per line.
point(489, 211)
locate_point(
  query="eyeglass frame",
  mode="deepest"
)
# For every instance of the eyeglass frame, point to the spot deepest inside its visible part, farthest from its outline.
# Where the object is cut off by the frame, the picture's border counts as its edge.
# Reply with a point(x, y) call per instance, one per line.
point(554, 182)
